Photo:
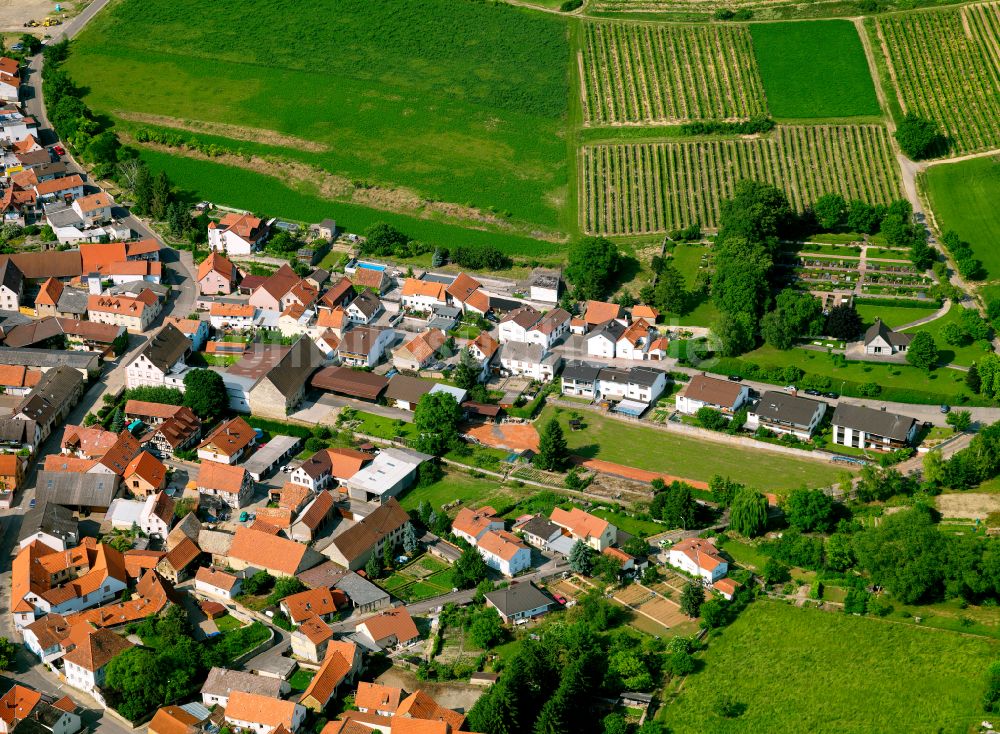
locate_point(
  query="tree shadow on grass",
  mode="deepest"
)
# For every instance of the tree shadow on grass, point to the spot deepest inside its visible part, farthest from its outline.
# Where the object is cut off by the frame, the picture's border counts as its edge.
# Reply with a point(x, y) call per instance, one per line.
point(588, 451)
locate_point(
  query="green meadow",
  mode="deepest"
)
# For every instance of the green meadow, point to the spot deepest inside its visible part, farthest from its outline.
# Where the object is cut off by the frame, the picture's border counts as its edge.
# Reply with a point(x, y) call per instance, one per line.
point(803, 670)
point(814, 70)
point(459, 101)
point(964, 198)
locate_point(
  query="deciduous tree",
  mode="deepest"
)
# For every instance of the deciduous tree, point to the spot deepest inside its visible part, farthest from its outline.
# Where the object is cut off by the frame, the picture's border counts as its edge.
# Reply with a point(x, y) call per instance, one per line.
point(922, 352)
point(592, 267)
point(692, 597)
point(205, 394)
point(748, 512)
point(436, 419)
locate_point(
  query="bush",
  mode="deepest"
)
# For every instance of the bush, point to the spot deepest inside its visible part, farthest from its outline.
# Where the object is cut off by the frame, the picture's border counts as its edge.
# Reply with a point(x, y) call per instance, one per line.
point(571, 5)
point(920, 138)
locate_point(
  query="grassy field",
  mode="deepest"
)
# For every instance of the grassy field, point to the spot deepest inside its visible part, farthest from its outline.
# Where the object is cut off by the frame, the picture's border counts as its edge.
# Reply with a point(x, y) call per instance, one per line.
point(692, 458)
point(838, 83)
point(457, 485)
point(900, 382)
point(893, 316)
point(460, 101)
point(964, 198)
point(947, 68)
point(806, 670)
point(631, 525)
point(267, 195)
point(641, 188)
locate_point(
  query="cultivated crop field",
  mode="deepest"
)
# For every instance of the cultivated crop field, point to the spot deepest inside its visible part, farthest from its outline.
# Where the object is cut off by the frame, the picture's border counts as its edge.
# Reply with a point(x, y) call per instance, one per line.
point(461, 102)
point(946, 66)
point(642, 188)
point(814, 70)
point(806, 670)
point(656, 74)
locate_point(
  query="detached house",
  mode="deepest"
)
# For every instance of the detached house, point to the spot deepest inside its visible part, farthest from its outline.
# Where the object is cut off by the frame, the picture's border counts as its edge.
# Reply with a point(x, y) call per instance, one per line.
point(228, 442)
point(364, 346)
point(353, 547)
point(237, 234)
point(145, 475)
point(596, 532)
point(85, 664)
point(161, 363)
point(504, 552)
point(471, 525)
point(461, 289)
point(882, 341)
point(420, 352)
point(363, 308)
point(392, 628)
point(515, 325)
point(602, 341)
point(782, 412)
point(217, 276)
point(60, 189)
point(272, 293)
point(702, 391)
point(866, 428)
point(238, 316)
point(600, 312)
point(700, 558)
point(423, 295)
point(224, 483)
point(530, 360)
point(135, 314)
point(518, 602)
point(636, 342)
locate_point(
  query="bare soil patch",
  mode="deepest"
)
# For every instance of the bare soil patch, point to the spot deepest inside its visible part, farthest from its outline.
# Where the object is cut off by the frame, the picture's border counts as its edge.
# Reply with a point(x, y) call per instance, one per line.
point(452, 695)
point(511, 436)
point(968, 506)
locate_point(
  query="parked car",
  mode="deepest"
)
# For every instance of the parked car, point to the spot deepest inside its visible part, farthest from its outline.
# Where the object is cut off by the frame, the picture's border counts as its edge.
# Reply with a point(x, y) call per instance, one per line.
point(831, 395)
point(31, 505)
point(58, 150)
point(736, 378)
point(817, 393)
point(945, 408)
point(244, 515)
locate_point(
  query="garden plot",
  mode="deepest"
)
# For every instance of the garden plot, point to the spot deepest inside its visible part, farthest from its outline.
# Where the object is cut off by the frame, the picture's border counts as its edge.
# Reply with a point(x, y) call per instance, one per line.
point(422, 578)
point(652, 605)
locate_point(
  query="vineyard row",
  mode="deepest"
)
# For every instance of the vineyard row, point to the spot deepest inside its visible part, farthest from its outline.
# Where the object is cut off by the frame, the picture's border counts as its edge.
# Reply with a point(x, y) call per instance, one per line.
point(645, 188)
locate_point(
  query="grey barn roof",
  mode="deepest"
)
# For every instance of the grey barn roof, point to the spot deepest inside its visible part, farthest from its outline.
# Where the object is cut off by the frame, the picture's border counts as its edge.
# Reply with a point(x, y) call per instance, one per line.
point(72, 489)
point(869, 420)
point(49, 518)
point(166, 347)
point(48, 358)
point(222, 682)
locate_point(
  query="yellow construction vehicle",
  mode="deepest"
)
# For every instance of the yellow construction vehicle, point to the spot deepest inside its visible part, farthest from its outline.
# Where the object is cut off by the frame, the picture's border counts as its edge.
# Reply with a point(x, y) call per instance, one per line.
point(31, 24)
point(51, 22)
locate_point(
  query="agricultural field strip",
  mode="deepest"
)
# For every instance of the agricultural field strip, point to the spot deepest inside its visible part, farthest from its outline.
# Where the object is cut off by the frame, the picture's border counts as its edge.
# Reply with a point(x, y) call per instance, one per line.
point(646, 188)
point(638, 73)
point(947, 67)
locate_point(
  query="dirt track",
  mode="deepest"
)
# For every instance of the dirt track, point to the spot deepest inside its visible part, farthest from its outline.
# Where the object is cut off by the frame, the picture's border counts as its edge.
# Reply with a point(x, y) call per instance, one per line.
point(639, 475)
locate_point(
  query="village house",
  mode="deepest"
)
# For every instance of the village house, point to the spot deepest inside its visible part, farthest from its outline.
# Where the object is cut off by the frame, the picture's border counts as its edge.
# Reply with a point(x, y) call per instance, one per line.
point(484, 349)
point(157, 515)
point(11, 477)
point(364, 346)
point(579, 379)
point(784, 413)
point(420, 352)
point(275, 292)
point(217, 276)
point(135, 314)
point(314, 518)
point(178, 564)
point(237, 234)
point(60, 189)
point(329, 466)
point(10, 79)
point(220, 683)
point(389, 629)
point(422, 295)
point(404, 392)
point(175, 720)
point(214, 582)
point(145, 475)
point(699, 558)
point(364, 308)
point(178, 432)
point(340, 668)
point(228, 442)
point(600, 312)
point(272, 382)
point(703, 391)
point(504, 552)
point(545, 285)
point(374, 698)
point(515, 325)
point(50, 524)
point(17, 379)
point(881, 341)
point(518, 602)
point(471, 525)
point(224, 483)
point(529, 360)
point(251, 712)
point(461, 289)
point(278, 556)
point(85, 665)
point(51, 400)
point(596, 532)
point(237, 316)
point(867, 428)
point(162, 361)
point(375, 279)
point(640, 384)
point(195, 330)
point(11, 286)
point(549, 329)
point(312, 603)
point(311, 639)
point(353, 547)
point(539, 532)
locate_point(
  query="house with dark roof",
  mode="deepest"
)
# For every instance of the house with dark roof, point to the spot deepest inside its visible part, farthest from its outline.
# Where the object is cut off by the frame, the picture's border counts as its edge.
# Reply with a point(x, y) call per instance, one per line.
point(880, 340)
point(867, 428)
point(162, 361)
point(580, 379)
point(638, 383)
point(404, 391)
point(353, 547)
point(518, 602)
point(313, 518)
point(11, 286)
point(51, 400)
point(51, 524)
point(352, 383)
point(529, 360)
point(363, 308)
point(77, 491)
point(785, 413)
point(703, 391)
point(282, 388)
point(221, 682)
point(362, 593)
point(364, 346)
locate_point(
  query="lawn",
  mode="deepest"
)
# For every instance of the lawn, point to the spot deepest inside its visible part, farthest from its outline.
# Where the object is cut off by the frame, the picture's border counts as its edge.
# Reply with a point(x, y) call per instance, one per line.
point(893, 316)
point(899, 382)
point(963, 355)
point(807, 670)
point(457, 485)
point(964, 198)
point(631, 525)
point(838, 83)
point(237, 187)
point(687, 259)
point(460, 101)
point(301, 679)
point(228, 622)
point(655, 450)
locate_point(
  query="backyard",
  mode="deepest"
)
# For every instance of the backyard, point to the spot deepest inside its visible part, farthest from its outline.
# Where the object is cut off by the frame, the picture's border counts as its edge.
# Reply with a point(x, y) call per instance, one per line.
point(456, 485)
point(421, 578)
point(659, 451)
point(807, 670)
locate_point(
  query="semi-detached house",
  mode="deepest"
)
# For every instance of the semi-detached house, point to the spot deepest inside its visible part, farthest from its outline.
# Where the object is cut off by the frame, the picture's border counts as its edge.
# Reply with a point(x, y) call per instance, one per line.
point(867, 428)
point(784, 413)
point(703, 391)
point(161, 362)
